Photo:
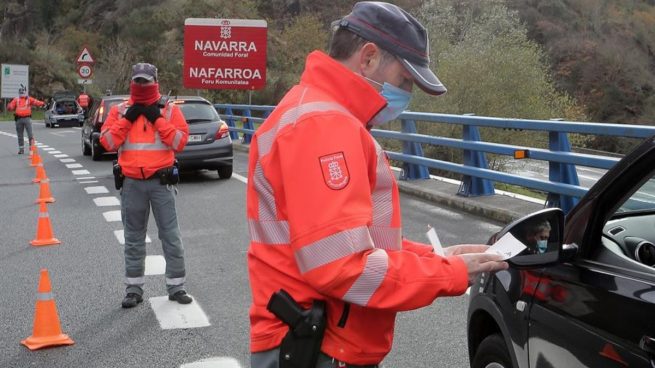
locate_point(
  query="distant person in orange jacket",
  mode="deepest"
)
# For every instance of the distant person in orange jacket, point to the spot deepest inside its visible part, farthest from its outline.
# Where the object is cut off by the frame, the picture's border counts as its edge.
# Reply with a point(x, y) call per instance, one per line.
point(323, 205)
point(22, 107)
point(83, 100)
point(147, 131)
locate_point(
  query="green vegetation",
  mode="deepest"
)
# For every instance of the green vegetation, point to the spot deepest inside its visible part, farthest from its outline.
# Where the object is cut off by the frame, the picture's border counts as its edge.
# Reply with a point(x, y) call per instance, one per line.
point(37, 115)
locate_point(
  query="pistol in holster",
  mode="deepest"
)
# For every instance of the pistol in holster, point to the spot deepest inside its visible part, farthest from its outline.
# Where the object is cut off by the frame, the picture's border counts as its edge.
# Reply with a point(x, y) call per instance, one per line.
point(118, 175)
point(302, 344)
point(169, 175)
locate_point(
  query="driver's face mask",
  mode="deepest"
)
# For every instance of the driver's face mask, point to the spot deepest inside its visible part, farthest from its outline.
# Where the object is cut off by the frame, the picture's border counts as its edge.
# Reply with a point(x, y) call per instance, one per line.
point(542, 245)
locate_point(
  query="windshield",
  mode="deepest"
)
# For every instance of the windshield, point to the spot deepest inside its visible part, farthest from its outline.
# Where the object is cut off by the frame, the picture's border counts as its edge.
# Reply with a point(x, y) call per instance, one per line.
point(195, 112)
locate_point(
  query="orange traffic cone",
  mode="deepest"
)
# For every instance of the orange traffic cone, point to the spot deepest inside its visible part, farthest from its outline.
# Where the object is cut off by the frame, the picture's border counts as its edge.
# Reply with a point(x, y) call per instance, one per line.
point(44, 228)
point(44, 192)
point(32, 148)
point(46, 330)
point(40, 173)
point(36, 158)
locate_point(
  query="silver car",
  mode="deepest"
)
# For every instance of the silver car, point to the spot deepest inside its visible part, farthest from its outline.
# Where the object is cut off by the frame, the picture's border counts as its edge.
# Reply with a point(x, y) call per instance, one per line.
point(63, 109)
point(209, 146)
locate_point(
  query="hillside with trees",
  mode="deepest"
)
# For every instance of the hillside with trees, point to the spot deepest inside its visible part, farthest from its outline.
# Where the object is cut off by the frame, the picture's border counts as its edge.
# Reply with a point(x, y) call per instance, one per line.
point(572, 59)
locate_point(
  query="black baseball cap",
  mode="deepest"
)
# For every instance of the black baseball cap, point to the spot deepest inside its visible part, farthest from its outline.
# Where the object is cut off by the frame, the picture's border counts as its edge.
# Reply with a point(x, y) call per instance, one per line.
point(145, 71)
point(400, 34)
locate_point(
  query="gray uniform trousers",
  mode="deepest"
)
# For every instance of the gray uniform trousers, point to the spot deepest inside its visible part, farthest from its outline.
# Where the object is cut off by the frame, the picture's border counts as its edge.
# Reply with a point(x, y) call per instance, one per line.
point(137, 196)
point(23, 124)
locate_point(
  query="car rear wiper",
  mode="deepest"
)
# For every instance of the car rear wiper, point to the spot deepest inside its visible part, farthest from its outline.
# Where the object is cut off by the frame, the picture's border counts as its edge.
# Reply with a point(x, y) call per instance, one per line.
point(199, 120)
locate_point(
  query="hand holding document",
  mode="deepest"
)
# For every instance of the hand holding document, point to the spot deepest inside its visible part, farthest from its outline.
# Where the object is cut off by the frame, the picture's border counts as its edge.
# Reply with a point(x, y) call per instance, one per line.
point(507, 246)
point(434, 240)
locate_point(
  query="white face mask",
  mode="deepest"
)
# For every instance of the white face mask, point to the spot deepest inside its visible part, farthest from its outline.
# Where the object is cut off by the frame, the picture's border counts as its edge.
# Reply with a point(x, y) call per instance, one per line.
point(397, 101)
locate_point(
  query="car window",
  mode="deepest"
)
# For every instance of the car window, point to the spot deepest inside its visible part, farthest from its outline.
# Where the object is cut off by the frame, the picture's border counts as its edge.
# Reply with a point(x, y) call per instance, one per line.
point(629, 235)
point(196, 112)
point(108, 105)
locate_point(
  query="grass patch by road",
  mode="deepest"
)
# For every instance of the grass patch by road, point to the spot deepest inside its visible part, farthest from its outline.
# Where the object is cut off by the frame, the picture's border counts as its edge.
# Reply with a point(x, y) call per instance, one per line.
point(520, 190)
point(9, 116)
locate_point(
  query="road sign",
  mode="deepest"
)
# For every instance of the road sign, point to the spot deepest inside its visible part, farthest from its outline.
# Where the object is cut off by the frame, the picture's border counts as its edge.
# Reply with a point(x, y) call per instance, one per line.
point(85, 81)
point(85, 57)
point(12, 77)
point(224, 53)
point(84, 71)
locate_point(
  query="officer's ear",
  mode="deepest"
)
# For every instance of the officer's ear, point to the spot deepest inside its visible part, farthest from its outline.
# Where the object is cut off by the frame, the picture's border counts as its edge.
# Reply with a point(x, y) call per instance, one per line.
point(370, 57)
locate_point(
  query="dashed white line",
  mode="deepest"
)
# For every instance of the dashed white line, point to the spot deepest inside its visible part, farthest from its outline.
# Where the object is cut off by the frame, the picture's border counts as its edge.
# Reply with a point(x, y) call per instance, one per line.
point(171, 314)
point(65, 160)
point(88, 182)
point(54, 152)
point(106, 201)
point(73, 166)
point(112, 216)
point(217, 362)
point(48, 149)
point(120, 236)
point(85, 177)
point(81, 172)
point(240, 178)
point(155, 265)
point(96, 190)
point(61, 155)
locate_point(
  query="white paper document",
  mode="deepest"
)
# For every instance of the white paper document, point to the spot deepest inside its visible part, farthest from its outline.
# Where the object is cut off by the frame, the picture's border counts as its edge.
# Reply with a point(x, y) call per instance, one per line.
point(507, 246)
point(434, 240)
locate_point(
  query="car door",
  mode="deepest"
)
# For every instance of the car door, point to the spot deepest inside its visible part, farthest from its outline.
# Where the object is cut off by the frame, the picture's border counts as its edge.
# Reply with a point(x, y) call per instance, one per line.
point(598, 309)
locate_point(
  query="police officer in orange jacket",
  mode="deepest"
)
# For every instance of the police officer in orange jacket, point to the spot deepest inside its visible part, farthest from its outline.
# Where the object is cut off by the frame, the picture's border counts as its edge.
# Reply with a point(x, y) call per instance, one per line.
point(147, 132)
point(323, 205)
point(83, 100)
point(22, 107)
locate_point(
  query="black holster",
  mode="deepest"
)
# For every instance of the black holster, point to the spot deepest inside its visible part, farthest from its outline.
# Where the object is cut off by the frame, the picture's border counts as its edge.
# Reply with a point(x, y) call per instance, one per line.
point(302, 344)
point(118, 175)
point(169, 175)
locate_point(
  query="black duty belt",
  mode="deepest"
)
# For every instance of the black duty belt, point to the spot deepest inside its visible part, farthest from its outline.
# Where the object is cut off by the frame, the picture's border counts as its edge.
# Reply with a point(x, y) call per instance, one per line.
point(346, 365)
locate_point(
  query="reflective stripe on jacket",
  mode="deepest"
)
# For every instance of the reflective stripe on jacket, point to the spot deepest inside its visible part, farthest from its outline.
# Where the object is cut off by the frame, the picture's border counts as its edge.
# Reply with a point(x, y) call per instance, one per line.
point(23, 105)
point(324, 216)
point(143, 147)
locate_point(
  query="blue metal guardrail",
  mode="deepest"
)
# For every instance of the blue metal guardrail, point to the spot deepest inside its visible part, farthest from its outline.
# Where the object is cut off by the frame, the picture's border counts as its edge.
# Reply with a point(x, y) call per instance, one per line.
point(563, 187)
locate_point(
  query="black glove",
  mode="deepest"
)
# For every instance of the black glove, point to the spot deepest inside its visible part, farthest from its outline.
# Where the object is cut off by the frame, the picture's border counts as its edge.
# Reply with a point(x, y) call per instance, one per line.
point(133, 112)
point(152, 112)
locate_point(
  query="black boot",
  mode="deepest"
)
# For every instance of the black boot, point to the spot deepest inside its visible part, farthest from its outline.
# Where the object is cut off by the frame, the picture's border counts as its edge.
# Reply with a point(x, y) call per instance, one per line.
point(20, 150)
point(181, 297)
point(131, 300)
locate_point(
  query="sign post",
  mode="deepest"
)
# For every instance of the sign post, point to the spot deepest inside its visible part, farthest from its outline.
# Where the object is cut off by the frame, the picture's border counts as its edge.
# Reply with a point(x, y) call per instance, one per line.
point(85, 64)
point(224, 53)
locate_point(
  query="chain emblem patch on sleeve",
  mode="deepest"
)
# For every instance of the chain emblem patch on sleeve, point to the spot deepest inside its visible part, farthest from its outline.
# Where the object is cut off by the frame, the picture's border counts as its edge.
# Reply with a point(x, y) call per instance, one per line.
point(335, 170)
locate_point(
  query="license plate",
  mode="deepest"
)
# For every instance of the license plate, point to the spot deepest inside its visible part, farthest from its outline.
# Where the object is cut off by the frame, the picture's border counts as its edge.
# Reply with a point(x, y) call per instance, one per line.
point(195, 138)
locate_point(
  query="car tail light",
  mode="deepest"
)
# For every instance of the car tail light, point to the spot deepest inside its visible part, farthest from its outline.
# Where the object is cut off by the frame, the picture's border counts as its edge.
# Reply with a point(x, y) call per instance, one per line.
point(223, 131)
point(101, 112)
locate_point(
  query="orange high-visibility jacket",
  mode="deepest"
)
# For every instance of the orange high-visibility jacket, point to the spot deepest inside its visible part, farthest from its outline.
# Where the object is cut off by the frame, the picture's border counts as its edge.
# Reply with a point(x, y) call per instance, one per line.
point(143, 147)
point(83, 100)
point(23, 105)
point(324, 218)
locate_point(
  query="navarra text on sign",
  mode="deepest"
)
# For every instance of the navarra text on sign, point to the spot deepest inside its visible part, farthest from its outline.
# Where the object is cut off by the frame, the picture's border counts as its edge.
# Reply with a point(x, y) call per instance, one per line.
point(224, 46)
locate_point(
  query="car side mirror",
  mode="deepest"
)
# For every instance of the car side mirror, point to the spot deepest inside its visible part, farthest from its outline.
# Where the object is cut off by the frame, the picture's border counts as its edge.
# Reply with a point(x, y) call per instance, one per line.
point(541, 232)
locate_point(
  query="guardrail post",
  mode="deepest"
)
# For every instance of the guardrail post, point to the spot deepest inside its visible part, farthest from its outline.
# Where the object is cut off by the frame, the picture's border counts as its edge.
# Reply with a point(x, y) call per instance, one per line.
point(472, 186)
point(248, 124)
point(230, 123)
point(412, 171)
point(561, 173)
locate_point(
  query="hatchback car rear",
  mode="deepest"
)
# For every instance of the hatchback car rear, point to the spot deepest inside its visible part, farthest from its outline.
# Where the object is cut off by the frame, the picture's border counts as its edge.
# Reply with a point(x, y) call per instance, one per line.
point(92, 125)
point(209, 145)
point(63, 109)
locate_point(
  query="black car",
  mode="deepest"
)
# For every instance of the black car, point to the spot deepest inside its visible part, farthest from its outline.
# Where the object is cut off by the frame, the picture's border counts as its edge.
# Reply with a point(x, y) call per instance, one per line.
point(63, 109)
point(92, 125)
point(587, 297)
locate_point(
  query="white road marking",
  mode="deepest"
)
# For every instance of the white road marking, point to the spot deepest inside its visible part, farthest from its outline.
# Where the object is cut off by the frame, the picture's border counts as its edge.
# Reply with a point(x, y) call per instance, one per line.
point(54, 152)
point(73, 166)
point(218, 362)
point(96, 190)
point(155, 265)
point(88, 182)
point(85, 177)
point(48, 149)
point(106, 201)
point(61, 155)
point(240, 178)
point(112, 216)
point(81, 172)
point(171, 314)
point(64, 160)
point(120, 236)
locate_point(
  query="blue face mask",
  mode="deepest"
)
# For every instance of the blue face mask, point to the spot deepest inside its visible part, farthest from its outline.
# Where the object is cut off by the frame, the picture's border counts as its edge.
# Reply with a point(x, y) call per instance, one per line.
point(542, 245)
point(397, 102)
